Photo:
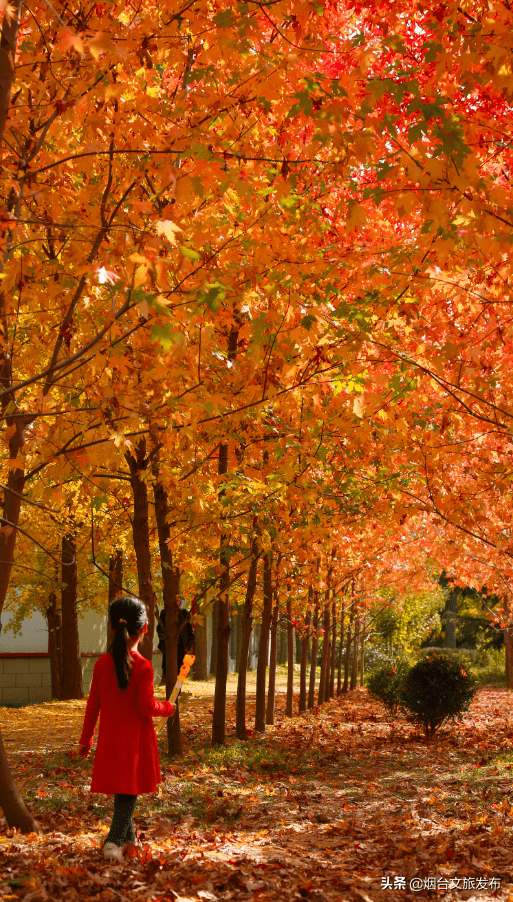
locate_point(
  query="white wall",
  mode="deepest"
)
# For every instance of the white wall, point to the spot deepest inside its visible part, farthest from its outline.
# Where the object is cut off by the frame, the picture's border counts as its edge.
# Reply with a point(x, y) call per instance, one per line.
point(92, 631)
point(33, 638)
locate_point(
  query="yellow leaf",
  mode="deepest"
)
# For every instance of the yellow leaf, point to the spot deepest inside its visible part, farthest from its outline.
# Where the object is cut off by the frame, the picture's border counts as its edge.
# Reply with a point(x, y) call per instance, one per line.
point(167, 229)
point(138, 258)
point(358, 406)
point(141, 274)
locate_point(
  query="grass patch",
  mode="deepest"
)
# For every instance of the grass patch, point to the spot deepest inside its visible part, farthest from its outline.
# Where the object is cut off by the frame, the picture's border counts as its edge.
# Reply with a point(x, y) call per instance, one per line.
point(490, 676)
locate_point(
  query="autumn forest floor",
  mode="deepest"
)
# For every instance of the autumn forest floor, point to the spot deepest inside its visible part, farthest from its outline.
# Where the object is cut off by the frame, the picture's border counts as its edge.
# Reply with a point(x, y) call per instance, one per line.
point(321, 807)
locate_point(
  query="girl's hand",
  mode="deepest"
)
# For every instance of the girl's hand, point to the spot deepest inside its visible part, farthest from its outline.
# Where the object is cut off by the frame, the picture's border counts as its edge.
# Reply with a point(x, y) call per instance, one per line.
point(172, 711)
point(84, 751)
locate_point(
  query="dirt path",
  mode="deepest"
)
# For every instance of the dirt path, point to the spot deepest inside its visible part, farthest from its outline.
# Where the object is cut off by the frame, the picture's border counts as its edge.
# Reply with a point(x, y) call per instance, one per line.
point(335, 805)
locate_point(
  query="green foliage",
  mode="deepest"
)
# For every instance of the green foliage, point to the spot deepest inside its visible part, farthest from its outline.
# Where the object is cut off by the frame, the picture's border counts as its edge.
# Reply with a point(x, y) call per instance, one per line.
point(436, 689)
point(386, 681)
point(465, 620)
point(388, 623)
point(401, 624)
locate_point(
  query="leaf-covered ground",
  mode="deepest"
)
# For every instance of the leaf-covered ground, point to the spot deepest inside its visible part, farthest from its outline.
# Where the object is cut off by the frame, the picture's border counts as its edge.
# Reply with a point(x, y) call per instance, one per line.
point(322, 807)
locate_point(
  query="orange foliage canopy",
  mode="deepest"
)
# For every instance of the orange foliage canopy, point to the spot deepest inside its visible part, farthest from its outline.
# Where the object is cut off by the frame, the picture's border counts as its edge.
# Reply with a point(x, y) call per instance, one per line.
point(329, 184)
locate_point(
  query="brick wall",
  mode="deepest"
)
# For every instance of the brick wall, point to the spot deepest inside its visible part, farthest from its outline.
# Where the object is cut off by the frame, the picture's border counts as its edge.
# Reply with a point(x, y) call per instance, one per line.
point(25, 680)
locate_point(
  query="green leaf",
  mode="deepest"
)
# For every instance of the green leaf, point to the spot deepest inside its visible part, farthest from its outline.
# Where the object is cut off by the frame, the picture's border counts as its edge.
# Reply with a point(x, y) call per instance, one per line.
point(288, 203)
point(212, 296)
point(190, 253)
point(164, 335)
point(98, 502)
point(308, 321)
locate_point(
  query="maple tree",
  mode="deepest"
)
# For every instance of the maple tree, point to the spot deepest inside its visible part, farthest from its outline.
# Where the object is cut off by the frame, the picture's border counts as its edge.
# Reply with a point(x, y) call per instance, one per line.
point(255, 260)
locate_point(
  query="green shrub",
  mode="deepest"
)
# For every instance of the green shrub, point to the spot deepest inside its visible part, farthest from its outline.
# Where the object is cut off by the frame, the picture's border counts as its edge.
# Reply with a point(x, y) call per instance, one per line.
point(385, 682)
point(436, 689)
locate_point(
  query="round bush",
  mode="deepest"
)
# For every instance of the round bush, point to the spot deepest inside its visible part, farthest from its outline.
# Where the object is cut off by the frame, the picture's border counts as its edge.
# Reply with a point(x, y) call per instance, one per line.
point(436, 689)
point(386, 681)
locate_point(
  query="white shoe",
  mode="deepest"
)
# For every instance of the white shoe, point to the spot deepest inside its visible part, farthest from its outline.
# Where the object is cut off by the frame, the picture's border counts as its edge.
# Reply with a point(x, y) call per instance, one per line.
point(112, 852)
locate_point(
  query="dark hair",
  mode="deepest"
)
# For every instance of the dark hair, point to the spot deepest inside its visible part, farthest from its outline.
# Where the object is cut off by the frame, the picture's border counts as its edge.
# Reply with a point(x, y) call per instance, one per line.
point(127, 617)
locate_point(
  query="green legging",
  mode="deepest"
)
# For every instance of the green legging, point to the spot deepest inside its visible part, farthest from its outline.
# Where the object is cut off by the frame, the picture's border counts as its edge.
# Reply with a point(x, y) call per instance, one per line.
point(122, 828)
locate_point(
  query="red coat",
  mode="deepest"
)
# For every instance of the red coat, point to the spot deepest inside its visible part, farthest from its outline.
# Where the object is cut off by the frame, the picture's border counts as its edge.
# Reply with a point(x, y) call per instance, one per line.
point(127, 757)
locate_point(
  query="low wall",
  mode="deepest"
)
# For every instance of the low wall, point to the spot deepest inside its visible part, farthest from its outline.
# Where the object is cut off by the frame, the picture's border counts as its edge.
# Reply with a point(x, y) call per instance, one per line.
point(27, 679)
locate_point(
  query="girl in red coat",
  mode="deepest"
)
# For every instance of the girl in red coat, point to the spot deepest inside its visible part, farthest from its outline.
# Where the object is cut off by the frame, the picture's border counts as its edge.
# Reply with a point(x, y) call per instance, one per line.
point(126, 762)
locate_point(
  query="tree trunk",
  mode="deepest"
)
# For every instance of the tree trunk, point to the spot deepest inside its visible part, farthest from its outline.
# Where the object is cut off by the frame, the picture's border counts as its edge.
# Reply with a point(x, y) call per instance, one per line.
point(304, 661)
point(271, 690)
point(299, 648)
point(345, 687)
point(221, 609)
point(327, 681)
point(200, 650)
point(333, 648)
point(289, 704)
point(508, 649)
point(11, 802)
point(115, 575)
point(170, 595)
point(263, 645)
point(115, 584)
point(247, 626)
point(251, 651)
point(362, 651)
point(325, 649)
point(313, 664)
point(13, 491)
point(71, 684)
point(171, 607)
point(354, 668)
point(340, 650)
point(223, 617)
point(54, 641)
point(137, 464)
point(238, 638)
point(507, 657)
point(213, 647)
point(7, 54)
point(282, 647)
